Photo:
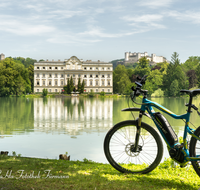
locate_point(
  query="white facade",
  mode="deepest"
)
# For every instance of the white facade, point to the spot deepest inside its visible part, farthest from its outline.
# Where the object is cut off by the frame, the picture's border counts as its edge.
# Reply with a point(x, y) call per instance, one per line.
point(2, 56)
point(134, 57)
point(53, 75)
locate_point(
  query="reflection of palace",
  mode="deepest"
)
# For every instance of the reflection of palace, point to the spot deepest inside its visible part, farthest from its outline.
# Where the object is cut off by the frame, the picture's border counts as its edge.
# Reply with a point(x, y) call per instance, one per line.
point(72, 115)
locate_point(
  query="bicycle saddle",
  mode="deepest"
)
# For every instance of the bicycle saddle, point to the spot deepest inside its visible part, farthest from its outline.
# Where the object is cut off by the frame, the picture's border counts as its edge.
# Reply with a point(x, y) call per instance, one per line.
point(191, 92)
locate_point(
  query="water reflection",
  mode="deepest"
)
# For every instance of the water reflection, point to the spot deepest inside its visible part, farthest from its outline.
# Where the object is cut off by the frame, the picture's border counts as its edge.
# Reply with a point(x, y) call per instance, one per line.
point(16, 115)
point(72, 115)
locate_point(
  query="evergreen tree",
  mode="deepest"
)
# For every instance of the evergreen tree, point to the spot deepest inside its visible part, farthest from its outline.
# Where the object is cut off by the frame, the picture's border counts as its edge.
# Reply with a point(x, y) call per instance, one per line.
point(82, 87)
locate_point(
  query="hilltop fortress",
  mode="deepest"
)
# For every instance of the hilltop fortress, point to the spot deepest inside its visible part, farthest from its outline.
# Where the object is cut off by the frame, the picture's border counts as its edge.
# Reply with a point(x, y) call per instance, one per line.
point(134, 58)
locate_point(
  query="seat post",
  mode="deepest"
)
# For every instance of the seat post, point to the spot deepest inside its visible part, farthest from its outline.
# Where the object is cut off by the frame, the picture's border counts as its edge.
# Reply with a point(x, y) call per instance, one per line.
point(190, 104)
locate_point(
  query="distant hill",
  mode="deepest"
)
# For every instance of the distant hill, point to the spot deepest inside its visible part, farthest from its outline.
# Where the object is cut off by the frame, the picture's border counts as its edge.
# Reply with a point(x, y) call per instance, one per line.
point(114, 62)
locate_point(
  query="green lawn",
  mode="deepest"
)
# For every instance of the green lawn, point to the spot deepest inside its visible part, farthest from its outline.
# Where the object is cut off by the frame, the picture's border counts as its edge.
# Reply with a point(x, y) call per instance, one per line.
point(31, 173)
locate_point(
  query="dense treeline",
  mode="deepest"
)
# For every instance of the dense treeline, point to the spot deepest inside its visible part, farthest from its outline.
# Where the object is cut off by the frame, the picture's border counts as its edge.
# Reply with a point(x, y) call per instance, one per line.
point(164, 79)
point(15, 78)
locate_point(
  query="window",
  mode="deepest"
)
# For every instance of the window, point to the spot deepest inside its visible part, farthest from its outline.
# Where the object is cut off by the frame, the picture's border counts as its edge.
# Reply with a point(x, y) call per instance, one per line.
point(61, 75)
point(108, 83)
point(43, 67)
point(108, 90)
point(90, 68)
point(49, 67)
point(38, 83)
point(96, 82)
point(102, 82)
point(56, 90)
point(43, 75)
point(85, 68)
point(49, 75)
point(102, 90)
point(96, 90)
point(79, 75)
point(38, 75)
point(97, 76)
point(49, 82)
point(108, 75)
point(102, 76)
point(91, 76)
point(56, 75)
point(85, 76)
point(61, 67)
point(38, 90)
point(56, 67)
point(61, 82)
point(85, 82)
point(38, 67)
point(43, 82)
point(49, 90)
point(102, 68)
point(56, 82)
point(108, 68)
point(73, 75)
point(96, 68)
point(90, 82)
point(67, 75)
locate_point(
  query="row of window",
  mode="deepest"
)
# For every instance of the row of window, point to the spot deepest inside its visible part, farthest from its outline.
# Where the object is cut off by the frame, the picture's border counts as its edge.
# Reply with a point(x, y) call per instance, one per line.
point(57, 90)
point(62, 83)
point(49, 68)
point(85, 68)
point(68, 75)
point(97, 68)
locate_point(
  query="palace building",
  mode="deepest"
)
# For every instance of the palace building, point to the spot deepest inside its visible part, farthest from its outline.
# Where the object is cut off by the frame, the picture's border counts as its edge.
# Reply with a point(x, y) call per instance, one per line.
point(53, 75)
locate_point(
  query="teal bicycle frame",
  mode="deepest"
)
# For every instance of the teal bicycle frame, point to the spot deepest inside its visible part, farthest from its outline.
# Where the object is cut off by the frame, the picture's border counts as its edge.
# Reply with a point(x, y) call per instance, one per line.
point(148, 105)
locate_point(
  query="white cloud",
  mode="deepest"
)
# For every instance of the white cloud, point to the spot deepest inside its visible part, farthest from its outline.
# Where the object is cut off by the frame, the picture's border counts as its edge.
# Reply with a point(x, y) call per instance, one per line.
point(148, 21)
point(187, 16)
point(23, 28)
point(156, 3)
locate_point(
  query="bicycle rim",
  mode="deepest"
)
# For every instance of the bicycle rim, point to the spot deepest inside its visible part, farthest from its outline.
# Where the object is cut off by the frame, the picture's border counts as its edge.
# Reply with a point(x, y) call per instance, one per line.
point(119, 148)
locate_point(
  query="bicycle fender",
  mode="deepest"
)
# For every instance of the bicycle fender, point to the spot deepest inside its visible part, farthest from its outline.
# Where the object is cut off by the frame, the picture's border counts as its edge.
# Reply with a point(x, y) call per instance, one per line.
point(136, 109)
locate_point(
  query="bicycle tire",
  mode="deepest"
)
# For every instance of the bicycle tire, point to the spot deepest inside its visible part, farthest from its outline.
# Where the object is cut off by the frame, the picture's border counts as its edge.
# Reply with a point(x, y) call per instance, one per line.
point(127, 161)
point(195, 150)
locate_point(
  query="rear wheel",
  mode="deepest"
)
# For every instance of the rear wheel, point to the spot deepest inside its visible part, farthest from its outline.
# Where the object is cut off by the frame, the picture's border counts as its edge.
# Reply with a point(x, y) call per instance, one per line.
point(195, 151)
point(119, 149)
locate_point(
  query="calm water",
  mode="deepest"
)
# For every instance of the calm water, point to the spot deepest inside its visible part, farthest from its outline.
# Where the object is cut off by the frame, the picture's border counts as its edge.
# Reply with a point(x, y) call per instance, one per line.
point(46, 128)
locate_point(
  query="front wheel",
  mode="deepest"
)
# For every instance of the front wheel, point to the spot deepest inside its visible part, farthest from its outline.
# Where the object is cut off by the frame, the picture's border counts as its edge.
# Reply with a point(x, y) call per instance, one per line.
point(195, 151)
point(119, 149)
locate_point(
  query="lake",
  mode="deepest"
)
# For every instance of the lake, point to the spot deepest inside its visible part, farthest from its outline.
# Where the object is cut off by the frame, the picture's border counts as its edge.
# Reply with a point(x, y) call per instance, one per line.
point(47, 127)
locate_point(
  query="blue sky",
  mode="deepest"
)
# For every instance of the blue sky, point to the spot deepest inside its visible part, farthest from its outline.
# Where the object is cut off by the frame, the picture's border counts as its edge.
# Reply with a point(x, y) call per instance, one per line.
point(99, 29)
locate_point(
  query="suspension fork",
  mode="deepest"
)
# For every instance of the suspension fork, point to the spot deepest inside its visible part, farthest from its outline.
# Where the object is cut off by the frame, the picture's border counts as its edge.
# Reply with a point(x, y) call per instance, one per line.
point(138, 125)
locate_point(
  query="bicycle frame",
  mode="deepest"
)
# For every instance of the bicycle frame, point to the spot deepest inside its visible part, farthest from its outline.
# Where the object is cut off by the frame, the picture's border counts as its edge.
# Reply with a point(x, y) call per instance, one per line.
point(148, 105)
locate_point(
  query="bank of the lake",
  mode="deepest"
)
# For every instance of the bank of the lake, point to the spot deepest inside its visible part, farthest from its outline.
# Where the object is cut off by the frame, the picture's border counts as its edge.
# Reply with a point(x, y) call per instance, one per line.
point(32, 173)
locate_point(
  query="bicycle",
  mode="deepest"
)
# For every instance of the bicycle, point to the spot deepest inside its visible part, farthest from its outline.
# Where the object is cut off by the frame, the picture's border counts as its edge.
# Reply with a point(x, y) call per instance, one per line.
point(133, 146)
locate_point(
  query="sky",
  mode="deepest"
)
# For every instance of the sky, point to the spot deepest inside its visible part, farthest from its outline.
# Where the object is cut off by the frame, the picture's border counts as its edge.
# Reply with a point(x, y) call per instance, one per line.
point(99, 29)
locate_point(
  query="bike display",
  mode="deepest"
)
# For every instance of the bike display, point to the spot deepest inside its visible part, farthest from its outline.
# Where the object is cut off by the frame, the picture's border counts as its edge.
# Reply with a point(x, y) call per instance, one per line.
point(133, 146)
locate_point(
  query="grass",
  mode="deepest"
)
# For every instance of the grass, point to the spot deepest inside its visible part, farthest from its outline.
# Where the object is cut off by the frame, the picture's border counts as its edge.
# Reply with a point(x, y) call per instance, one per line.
point(29, 173)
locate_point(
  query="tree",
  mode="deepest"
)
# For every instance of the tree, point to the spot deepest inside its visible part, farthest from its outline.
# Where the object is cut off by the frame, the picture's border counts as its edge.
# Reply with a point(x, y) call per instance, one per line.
point(82, 86)
point(174, 59)
point(44, 92)
point(191, 74)
point(79, 85)
point(174, 72)
point(120, 79)
point(142, 68)
point(174, 89)
point(31, 76)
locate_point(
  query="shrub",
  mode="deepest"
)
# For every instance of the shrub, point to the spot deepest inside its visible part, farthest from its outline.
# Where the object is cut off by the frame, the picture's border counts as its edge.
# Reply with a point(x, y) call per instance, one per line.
point(44, 92)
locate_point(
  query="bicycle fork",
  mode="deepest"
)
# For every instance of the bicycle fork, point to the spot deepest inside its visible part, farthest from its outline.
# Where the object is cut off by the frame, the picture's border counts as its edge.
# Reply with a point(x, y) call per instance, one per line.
point(139, 121)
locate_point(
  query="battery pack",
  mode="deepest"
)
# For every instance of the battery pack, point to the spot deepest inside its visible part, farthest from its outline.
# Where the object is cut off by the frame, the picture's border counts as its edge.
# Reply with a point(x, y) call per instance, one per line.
point(166, 128)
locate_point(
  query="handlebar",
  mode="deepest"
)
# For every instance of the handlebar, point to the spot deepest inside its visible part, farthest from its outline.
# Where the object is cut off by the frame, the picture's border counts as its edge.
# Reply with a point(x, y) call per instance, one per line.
point(139, 83)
